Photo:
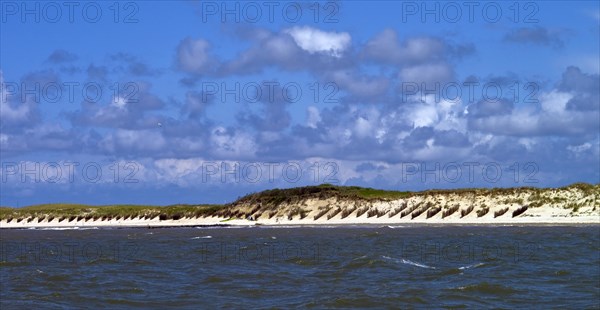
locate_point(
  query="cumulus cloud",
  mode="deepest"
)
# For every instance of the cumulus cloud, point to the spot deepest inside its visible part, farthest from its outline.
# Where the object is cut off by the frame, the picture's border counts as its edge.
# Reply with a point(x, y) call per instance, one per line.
point(133, 141)
point(314, 40)
point(535, 35)
point(369, 122)
point(97, 73)
point(484, 108)
point(132, 65)
point(19, 111)
point(562, 111)
point(549, 119)
point(360, 85)
point(282, 51)
point(313, 117)
point(193, 56)
point(272, 114)
point(269, 50)
point(584, 88)
point(61, 56)
point(579, 148)
point(228, 143)
point(387, 47)
point(195, 104)
point(122, 110)
point(429, 74)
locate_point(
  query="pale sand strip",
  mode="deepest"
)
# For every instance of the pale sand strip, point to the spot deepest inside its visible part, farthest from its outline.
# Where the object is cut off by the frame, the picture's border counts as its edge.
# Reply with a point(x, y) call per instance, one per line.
point(507, 219)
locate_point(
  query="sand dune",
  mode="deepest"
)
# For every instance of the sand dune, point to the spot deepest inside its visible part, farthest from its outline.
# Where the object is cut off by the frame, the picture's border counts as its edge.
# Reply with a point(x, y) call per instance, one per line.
point(322, 205)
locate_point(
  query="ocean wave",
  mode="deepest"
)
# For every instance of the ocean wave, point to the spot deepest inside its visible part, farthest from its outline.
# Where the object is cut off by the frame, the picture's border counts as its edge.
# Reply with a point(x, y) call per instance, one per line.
point(488, 288)
point(202, 237)
point(63, 228)
point(223, 226)
point(471, 266)
point(408, 262)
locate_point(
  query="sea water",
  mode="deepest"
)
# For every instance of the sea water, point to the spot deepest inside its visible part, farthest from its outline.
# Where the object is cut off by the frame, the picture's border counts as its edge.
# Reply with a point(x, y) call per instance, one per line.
point(312, 267)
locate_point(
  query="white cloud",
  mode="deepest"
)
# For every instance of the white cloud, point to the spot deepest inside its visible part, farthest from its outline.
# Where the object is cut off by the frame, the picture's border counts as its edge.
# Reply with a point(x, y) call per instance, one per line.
point(119, 102)
point(193, 55)
point(579, 148)
point(442, 114)
point(360, 85)
point(314, 117)
point(363, 127)
point(555, 102)
point(317, 41)
point(528, 143)
point(280, 48)
point(234, 144)
point(13, 113)
point(176, 170)
point(424, 115)
point(134, 140)
point(427, 73)
point(386, 46)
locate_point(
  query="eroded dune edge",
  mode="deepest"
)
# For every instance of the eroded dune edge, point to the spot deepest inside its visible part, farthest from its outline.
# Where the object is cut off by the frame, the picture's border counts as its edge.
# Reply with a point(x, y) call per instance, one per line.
point(335, 205)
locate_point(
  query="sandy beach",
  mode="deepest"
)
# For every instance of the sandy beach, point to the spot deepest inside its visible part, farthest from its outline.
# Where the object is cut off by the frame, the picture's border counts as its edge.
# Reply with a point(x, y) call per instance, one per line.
point(546, 218)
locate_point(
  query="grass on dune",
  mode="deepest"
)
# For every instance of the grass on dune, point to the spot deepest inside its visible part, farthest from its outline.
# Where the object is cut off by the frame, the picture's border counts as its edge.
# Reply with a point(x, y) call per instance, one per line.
point(277, 196)
point(68, 211)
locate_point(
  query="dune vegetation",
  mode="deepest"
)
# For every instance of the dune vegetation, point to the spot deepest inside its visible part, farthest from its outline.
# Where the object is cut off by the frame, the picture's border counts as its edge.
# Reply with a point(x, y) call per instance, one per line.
point(78, 212)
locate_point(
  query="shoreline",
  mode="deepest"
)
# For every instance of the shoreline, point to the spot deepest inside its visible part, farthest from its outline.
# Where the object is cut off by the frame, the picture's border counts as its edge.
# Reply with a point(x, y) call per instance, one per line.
point(223, 222)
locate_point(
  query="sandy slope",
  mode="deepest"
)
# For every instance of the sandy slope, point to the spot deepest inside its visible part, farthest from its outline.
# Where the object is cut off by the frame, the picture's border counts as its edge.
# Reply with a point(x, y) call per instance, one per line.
point(552, 206)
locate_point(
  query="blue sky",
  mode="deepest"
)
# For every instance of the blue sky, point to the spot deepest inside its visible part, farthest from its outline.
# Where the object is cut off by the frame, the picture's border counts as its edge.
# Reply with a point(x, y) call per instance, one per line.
point(170, 101)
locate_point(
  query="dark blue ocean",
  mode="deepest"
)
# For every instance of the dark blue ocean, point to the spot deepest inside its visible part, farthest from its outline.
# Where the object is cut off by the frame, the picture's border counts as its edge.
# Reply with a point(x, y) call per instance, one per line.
point(291, 267)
